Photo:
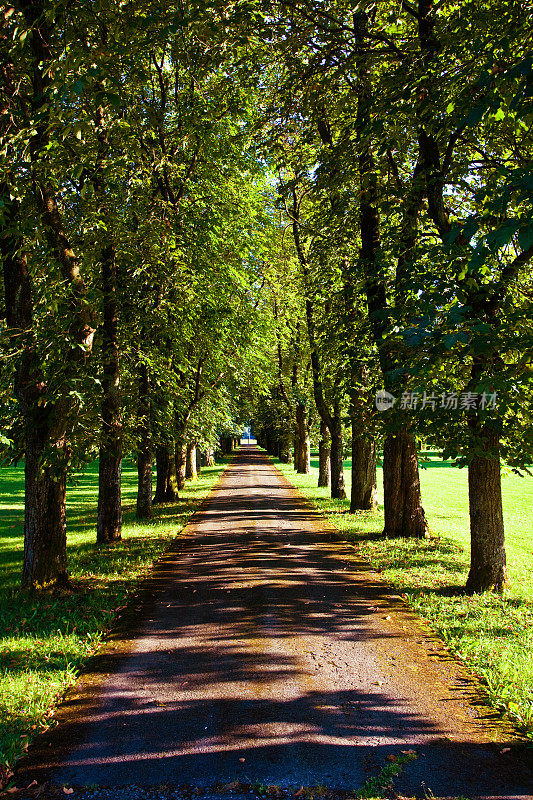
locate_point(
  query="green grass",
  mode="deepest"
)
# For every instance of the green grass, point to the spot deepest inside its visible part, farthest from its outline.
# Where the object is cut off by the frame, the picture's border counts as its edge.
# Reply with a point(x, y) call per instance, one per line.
point(493, 635)
point(45, 639)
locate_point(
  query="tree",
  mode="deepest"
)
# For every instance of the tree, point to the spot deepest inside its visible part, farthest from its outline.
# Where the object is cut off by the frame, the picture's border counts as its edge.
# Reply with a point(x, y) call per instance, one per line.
point(47, 396)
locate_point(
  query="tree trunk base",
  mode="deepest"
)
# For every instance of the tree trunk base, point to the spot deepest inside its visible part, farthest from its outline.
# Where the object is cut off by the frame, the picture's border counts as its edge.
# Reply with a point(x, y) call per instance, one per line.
point(144, 488)
point(45, 530)
point(488, 558)
point(166, 491)
point(324, 456)
point(364, 482)
point(338, 486)
point(404, 515)
point(109, 519)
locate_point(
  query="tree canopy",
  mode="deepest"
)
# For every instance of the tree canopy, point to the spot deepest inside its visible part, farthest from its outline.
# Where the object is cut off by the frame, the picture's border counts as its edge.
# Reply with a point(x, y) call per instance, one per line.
point(212, 213)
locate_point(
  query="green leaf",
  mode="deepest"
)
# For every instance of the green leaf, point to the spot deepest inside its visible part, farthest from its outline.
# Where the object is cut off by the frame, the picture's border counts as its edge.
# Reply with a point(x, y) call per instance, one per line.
point(114, 99)
point(502, 235)
point(525, 237)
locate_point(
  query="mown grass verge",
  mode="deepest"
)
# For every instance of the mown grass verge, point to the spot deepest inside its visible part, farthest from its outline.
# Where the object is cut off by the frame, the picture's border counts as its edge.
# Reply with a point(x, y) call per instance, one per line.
point(493, 635)
point(46, 638)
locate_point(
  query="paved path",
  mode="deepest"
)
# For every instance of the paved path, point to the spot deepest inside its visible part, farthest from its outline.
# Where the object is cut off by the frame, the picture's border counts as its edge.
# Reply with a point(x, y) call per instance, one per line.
point(263, 652)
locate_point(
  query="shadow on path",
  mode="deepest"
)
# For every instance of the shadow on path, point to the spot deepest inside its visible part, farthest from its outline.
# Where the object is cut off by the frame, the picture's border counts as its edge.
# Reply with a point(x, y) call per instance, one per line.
point(261, 651)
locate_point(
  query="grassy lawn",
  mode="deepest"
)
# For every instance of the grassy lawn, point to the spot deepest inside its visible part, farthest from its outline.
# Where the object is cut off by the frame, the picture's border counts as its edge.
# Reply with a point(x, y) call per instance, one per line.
point(45, 639)
point(493, 635)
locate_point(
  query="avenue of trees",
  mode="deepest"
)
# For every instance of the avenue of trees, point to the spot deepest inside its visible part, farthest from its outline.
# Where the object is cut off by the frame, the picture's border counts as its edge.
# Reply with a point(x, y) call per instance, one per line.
point(216, 211)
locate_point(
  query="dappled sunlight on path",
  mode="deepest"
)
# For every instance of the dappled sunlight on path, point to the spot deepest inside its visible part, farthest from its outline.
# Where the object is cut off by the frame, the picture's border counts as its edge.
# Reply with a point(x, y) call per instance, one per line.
point(261, 650)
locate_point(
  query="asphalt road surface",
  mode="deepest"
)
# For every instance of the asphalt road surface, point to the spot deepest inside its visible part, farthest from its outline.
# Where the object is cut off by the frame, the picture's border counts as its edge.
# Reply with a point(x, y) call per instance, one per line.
point(262, 653)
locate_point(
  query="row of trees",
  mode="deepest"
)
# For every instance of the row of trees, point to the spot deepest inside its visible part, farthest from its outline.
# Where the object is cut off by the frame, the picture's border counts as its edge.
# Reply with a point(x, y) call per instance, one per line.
point(403, 148)
point(203, 205)
point(130, 197)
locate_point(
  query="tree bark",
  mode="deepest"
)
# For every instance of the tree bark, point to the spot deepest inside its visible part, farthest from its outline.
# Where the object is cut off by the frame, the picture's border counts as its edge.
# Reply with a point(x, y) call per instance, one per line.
point(303, 442)
point(190, 461)
point(144, 483)
point(297, 447)
point(209, 457)
point(162, 469)
point(166, 489)
point(324, 452)
point(404, 515)
point(198, 461)
point(338, 486)
point(488, 559)
point(45, 530)
point(364, 481)
point(284, 447)
point(180, 461)
point(109, 520)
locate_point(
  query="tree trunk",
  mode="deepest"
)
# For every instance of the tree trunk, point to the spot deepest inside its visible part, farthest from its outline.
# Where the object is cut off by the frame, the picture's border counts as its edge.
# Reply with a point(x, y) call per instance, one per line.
point(47, 420)
point(166, 489)
point(190, 462)
point(171, 492)
point(45, 530)
point(306, 454)
point(109, 520)
point(144, 450)
point(144, 482)
point(180, 461)
point(285, 447)
point(209, 457)
point(404, 515)
point(198, 461)
point(226, 445)
point(303, 441)
point(338, 487)
point(324, 453)
point(45, 539)
point(364, 482)
point(162, 457)
point(488, 559)
point(297, 447)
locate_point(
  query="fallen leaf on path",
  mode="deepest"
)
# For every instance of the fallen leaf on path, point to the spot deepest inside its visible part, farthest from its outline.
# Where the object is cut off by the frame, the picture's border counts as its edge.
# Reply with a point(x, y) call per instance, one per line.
point(242, 760)
point(68, 791)
point(392, 758)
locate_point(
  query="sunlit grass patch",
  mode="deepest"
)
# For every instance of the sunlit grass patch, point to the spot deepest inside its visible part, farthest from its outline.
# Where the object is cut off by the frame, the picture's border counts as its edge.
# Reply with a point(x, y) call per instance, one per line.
point(44, 639)
point(492, 634)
